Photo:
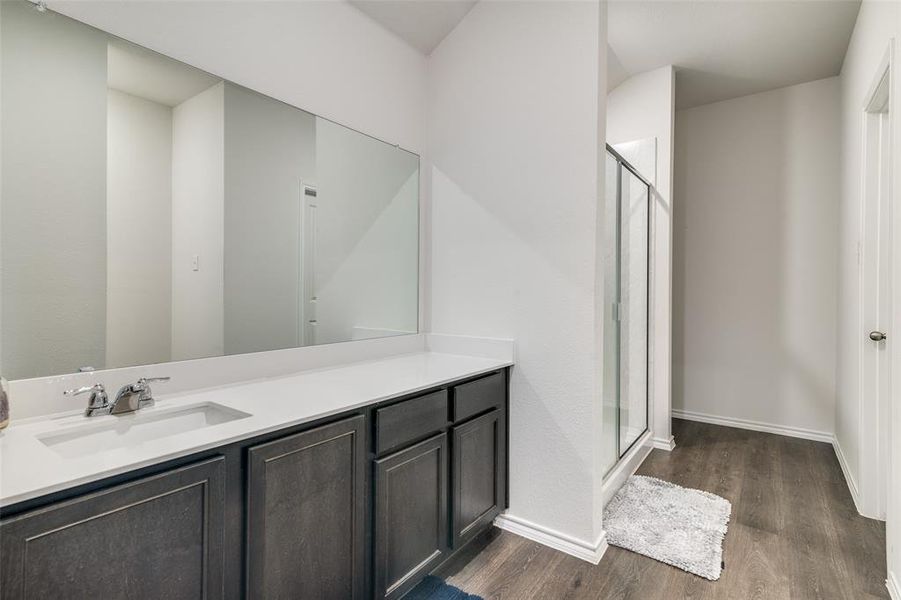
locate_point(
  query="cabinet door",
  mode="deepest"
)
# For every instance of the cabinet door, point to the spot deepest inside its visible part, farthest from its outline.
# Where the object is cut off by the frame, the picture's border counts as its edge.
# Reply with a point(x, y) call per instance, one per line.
point(305, 511)
point(410, 515)
point(478, 472)
point(158, 537)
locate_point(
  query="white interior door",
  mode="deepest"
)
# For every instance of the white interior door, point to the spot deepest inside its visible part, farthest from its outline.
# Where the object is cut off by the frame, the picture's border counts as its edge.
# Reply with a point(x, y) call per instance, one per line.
point(876, 298)
point(307, 318)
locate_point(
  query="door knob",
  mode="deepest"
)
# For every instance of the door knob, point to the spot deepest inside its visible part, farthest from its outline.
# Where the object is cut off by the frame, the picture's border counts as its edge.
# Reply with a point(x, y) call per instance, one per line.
point(877, 336)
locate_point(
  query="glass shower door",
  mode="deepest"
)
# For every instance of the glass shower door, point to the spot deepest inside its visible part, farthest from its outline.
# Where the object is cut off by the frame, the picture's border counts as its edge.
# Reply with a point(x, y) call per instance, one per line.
point(626, 276)
point(610, 432)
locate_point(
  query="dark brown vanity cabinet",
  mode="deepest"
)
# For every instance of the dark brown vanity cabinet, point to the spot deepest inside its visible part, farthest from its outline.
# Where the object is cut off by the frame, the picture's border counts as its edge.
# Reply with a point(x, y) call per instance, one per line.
point(434, 496)
point(157, 537)
point(478, 474)
point(305, 514)
point(410, 515)
point(358, 505)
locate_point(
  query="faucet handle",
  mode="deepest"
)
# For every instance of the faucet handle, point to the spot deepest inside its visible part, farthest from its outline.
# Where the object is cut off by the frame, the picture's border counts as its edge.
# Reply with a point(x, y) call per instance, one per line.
point(98, 402)
point(146, 394)
point(97, 388)
point(145, 380)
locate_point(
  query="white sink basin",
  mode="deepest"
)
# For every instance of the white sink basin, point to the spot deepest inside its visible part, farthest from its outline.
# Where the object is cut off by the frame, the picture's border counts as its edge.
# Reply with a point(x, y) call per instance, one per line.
point(136, 428)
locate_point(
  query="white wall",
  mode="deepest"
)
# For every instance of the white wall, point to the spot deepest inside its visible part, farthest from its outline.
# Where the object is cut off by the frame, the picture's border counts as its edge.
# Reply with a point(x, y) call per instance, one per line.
point(367, 245)
point(297, 52)
point(54, 194)
point(269, 150)
point(640, 108)
point(756, 196)
point(139, 231)
point(515, 145)
point(198, 158)
point(877, 23)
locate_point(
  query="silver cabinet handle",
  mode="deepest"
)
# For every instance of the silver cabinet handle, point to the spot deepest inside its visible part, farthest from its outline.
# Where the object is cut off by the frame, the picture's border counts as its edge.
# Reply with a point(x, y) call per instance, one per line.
point(878, 336)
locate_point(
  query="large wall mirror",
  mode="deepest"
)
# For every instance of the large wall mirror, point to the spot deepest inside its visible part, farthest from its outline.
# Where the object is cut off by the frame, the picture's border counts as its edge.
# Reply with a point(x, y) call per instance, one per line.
point(153, 212)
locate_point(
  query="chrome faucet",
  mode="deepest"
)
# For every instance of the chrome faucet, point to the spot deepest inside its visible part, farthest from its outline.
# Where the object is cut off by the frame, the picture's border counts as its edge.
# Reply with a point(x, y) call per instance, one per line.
point(134, 396)
point(98, 402)
point(129, 398)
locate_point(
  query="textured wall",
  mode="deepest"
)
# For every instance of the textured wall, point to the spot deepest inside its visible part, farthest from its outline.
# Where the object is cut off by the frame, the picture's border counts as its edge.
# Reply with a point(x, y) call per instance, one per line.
point(515, 144)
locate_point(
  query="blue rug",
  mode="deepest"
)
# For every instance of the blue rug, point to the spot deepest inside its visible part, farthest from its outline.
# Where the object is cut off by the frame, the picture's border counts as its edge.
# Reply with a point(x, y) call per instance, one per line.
point(433, 588)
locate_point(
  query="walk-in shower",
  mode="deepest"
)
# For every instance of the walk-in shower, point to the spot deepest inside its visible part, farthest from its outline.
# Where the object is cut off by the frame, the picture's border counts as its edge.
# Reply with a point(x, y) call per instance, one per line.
point(626, 299)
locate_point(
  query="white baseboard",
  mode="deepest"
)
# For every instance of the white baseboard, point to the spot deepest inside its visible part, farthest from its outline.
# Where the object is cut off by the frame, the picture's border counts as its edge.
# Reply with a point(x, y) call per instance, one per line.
point(664, 444)
point(894, 588)
point(591, 552)
point(843, 463)
point(795, 432)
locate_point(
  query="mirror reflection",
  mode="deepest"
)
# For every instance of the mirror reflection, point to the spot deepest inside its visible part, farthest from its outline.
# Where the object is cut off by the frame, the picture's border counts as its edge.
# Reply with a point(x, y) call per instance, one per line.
point(152, 212)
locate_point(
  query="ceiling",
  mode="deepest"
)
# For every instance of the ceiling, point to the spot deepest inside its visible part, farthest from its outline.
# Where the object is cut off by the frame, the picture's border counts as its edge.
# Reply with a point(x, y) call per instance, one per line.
point(421, 23)
point(146, 74)
point(728, 49)
point(721, 48)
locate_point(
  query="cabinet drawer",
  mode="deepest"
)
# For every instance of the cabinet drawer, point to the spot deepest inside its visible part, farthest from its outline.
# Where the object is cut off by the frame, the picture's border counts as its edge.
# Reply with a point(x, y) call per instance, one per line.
point(479, 396)
point(409, 420)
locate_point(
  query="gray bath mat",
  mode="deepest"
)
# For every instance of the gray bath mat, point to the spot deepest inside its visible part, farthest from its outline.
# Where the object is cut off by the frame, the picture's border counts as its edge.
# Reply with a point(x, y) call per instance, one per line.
point(675, 525)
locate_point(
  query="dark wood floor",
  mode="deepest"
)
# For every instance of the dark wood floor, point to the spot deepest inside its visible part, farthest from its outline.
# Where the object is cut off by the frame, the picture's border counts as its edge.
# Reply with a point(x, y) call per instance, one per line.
point(794, 532)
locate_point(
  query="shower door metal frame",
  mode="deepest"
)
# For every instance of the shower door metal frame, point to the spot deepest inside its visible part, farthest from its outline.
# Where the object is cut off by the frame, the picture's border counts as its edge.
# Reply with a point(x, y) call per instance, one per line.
point(621, 164)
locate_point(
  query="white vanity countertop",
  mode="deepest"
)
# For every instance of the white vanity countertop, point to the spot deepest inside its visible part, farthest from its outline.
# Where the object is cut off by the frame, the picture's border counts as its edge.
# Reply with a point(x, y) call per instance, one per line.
point(29, 468)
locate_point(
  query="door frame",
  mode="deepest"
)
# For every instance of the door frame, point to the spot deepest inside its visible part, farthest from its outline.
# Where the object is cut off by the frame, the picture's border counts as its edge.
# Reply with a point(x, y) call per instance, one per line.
point(874, 363)
point(621, 165)
point(893, 528)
